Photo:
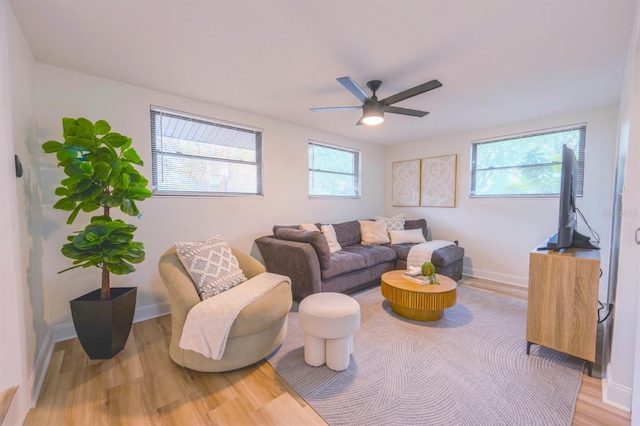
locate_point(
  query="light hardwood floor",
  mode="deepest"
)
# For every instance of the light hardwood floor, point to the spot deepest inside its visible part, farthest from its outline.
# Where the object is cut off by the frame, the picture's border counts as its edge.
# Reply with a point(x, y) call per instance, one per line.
point(142, 386)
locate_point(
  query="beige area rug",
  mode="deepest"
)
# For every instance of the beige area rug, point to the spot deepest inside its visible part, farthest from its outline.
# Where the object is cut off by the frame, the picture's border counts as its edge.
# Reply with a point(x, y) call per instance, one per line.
point(469, 368)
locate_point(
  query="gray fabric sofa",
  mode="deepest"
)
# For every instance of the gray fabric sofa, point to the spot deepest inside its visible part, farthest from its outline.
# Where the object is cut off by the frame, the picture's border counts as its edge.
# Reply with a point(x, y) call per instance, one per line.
point(304, 257)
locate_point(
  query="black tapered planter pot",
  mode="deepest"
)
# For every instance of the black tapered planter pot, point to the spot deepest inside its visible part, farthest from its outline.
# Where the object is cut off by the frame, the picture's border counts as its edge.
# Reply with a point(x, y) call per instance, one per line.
point(103, 326)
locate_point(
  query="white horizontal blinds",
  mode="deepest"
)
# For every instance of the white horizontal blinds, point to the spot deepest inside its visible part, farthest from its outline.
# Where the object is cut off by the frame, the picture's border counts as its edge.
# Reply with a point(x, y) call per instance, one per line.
point(198, 156)
point(333, 171)
point(525, 165)
point(580, 156)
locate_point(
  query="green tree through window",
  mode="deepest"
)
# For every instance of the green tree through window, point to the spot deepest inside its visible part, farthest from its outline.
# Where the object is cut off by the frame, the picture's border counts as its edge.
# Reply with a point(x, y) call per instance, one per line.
point(333, 171)
point(527, 165)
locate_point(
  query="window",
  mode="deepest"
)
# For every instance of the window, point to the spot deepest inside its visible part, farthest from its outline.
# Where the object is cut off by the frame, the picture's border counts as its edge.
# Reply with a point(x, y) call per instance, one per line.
point(333, 171)
point(199, 156)
point(526, 165)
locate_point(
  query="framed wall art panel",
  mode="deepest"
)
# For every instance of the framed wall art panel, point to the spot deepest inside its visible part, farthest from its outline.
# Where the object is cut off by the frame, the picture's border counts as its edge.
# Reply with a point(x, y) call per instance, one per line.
point(438, 181)
point(405, 183)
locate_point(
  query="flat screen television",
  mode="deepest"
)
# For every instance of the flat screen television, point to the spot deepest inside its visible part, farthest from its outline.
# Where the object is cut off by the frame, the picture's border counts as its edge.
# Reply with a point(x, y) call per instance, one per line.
point(567, 235)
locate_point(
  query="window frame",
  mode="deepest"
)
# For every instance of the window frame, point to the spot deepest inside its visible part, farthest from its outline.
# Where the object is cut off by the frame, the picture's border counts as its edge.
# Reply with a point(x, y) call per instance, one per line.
point(155, 111)
point(357, 175)
point(580, 154)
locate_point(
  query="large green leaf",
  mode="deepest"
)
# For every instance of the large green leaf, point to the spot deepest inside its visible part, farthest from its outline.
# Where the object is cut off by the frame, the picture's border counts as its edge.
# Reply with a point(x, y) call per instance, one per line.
point(115, 140)
point(61, 191)
point(74, 214)
point(72, 180)
point(81, 186)
point(129, 207)
point(89, 206)
point(80, 143)
point(74, 169)
point(86, 168)
point(85, 129)
point(131, 155)
point(51, 146)
point(139, 194)
point(69, 127)
point(67, 153)
point(121, 268)
point(102, 171)
point(65, 204)
point(102, 127)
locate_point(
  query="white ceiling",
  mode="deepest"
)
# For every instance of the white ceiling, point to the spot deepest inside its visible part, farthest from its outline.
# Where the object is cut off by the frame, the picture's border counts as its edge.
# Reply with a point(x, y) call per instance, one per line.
point(499, 61)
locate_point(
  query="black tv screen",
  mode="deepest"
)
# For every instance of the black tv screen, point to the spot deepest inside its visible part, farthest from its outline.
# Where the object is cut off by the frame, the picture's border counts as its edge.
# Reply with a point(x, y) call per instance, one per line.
point(567, 236)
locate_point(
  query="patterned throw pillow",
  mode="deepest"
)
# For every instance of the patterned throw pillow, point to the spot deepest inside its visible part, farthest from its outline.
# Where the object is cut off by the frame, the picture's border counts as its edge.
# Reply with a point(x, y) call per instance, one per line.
point(211, 265)
point(394, 223)
point(408, 236)
point(330, 235)
point(374, 232)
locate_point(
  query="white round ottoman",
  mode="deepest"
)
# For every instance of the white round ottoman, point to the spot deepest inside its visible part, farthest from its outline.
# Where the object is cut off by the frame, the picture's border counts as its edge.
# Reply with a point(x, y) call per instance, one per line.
point(328, 321)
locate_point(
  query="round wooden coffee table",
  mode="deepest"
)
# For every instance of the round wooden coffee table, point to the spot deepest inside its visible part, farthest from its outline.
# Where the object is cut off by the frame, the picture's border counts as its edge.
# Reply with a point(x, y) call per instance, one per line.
point(415, 301)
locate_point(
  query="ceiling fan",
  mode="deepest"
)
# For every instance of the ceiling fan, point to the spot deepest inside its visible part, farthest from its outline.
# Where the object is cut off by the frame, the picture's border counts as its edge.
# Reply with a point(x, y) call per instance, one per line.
point(373, 109)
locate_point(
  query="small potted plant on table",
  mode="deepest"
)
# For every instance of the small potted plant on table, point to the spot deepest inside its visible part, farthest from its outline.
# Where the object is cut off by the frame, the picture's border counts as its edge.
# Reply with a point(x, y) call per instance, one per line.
point(99, 165)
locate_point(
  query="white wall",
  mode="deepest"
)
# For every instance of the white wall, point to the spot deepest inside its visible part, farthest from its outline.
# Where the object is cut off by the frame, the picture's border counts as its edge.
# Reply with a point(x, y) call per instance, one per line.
point(499, 233)
point(23, 108)
point(13, 334)
point(63, 93)
point(625, 339)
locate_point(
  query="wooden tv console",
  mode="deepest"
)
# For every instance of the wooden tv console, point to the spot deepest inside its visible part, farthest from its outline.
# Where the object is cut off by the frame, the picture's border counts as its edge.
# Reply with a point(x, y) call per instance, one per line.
point(562, 309)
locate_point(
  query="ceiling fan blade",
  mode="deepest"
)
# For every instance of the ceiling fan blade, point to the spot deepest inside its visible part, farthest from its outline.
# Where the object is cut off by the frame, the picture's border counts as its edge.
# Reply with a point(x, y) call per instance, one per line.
point(353, 87)
point(425, 87)
point(360, 122)
point(345, 108)
point(405, 111)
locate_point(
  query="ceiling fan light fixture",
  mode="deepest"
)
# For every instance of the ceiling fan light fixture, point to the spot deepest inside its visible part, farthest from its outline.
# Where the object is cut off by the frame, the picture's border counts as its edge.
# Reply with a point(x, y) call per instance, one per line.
point(373, 114)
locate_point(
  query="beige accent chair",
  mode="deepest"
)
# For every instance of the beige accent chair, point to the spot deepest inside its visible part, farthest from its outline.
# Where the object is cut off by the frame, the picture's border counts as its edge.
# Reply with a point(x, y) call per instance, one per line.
point(257, 331)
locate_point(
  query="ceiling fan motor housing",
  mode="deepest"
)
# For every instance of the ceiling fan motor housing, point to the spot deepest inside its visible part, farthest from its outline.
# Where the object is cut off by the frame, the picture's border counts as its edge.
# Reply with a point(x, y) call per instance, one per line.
point(374, 85)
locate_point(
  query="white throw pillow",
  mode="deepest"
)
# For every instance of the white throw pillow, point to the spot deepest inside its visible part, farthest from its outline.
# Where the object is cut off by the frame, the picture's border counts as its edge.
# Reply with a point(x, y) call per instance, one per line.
point(394, 223)
point(374, 232)
point(330, 235)
point(211, 265)
point(407, 236)
point(309, 227)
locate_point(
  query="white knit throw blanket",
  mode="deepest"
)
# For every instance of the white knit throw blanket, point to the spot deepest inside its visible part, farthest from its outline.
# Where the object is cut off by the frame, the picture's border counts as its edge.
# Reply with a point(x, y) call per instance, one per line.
point(208, 323)
point(422, 252)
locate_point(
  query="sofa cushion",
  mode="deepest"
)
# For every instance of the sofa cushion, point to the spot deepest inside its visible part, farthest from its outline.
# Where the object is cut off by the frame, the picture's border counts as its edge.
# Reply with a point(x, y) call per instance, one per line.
point(441, 257)
point(401, 250)
point(447, 255)
point(374, 232)
point(373, 254)
point(315, 238)
point(343, 262)
point(348, 233)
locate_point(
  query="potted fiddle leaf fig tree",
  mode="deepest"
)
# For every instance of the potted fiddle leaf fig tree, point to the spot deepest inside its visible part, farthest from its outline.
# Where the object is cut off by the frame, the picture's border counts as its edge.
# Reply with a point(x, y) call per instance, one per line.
point(100, 175)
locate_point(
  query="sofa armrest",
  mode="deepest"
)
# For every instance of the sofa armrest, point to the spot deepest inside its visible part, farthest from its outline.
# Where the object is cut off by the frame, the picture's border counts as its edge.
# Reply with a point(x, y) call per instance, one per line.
point(298, 261)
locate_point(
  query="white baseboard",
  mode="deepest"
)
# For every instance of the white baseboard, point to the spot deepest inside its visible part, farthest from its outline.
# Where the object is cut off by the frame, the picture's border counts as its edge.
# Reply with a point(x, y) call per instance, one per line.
point(67, 331)
point(40, 369)
point(614, 394)
point(496, 276)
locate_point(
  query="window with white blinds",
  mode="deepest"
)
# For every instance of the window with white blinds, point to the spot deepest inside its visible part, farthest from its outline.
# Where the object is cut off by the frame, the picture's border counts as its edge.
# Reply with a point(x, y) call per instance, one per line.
point(333, 171)
point(195, 155)
point(525, 165)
